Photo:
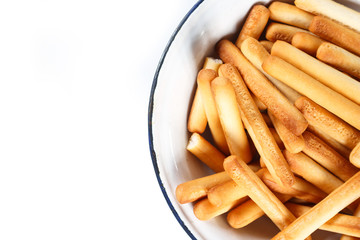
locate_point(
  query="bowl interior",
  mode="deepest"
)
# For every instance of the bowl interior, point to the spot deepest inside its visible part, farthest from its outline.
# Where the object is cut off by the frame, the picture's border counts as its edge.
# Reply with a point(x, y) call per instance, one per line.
point(171, 96)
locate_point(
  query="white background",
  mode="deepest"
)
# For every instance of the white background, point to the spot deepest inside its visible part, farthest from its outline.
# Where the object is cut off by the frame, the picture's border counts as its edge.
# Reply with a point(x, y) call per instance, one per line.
point(75, 79)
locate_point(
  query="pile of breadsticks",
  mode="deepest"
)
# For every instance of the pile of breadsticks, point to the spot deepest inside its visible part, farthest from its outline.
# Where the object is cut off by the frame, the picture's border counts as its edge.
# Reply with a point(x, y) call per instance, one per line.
point(282, 104)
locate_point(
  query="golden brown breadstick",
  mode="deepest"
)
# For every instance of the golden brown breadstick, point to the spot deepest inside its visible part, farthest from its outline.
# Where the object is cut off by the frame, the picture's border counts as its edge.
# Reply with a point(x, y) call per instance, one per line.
point(324, 73)
point(259, 104)
point(248, 212)
point(256, 54)
point(204, 79)
point(328, 157)
point(267, 45)
point(197, 118)
point(336, 33)
point(204, 210)
point(227, 192)
point(301, 188)
point(230, 118)
point(290, 14)
point(339, 58)
point(306, 42)
point(277, 138)
point(292, 143)
point(244, 214)
point(340, 223)
point(347, 237)
point(258, 192)
point(257, 129)
point(278, 141)
point(327, 122)
point(195, 189)
point(311, 171)
point(314, 173)
point(355, 155)
point(277, 31)
point(332, 10)
point(206, 152)
point(254, 51)
point(255, 23)
point(323, 211)
point(261, 87)
point(224, 193)
point(344, 151)
point(318, 92)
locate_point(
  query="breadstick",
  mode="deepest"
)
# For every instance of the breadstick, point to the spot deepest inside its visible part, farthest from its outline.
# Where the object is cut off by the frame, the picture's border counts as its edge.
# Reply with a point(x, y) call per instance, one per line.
point(292, 143)
point(248, 212)
point(323, 211)
point(332, 10)
point(340, 223)
point(261, 87)
point(197, 118)
point(277, 138)
point(267, 45)
point(314, 173)
point(301, 189)
point(204, 210)
point(326, 74)
point(306, 42)
point(206, 152)
point(336, 33)
point(258, 192)
point(255, 23)
point(259, 104)
point(277, 31)
point(319, 93)
point(327, 122)
point(244, 214)
point(290, 14)
point(344, 151)
point(257, 54)
point(257, 129)
point(328, 157)
point(278, 142)
point(204, 78)
point(347, 237)
point(224, 193)
point(195, 189)
point(230, 118)
point(227, 192)
point(339, 58)
point(355, 155)
point(311, 171)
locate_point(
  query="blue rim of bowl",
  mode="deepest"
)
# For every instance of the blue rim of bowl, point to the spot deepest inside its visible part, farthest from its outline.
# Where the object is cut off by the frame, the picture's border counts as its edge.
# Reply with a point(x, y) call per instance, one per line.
point(150, 115)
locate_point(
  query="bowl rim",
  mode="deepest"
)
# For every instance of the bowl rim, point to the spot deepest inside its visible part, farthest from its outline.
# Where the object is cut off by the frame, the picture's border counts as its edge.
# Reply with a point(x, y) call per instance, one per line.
point(150, 116)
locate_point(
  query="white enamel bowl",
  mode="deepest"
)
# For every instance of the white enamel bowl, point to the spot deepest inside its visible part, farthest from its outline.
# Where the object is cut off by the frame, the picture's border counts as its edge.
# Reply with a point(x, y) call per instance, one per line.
point(171, 95)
